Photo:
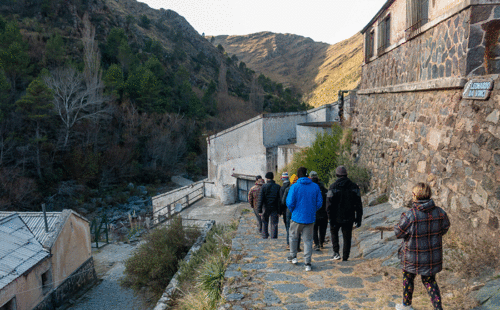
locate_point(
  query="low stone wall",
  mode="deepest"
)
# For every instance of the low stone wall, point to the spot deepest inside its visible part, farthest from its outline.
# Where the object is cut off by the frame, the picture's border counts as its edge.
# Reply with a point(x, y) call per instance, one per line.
point(162, 304)
point(83, 276)
point(435, 137)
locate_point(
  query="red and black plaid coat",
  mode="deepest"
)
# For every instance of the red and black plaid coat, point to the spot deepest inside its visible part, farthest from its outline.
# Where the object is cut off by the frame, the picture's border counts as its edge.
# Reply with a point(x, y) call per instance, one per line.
point(422, 229)
point(253, 193)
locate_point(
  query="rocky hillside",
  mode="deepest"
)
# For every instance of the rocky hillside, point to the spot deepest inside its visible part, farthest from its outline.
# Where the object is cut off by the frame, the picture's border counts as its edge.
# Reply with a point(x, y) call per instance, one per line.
point(317, 69)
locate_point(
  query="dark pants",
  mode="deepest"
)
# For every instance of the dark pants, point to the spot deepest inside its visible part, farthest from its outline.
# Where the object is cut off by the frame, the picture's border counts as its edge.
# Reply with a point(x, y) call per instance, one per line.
point(287, 226)
point(273, 216)
point(320, 230)
point(429, 283)
point(347, 236)
point(259, 220)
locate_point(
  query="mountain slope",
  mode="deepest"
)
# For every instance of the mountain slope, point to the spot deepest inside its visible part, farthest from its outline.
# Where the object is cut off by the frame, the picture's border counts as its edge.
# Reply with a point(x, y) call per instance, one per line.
point(317, 69)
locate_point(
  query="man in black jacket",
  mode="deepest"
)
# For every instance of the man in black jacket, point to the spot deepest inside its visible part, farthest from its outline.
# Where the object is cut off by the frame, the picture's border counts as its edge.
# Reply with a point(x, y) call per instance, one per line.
point(344, 207)
point(269, 206)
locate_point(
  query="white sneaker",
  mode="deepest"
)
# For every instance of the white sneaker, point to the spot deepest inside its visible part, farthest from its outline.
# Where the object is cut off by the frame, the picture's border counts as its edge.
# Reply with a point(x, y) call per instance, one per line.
point(295, 260)
point(308, 267)
point(403, 307)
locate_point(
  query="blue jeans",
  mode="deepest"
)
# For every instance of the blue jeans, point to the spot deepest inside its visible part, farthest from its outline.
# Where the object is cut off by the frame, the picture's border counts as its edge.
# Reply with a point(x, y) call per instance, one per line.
point(274, 225)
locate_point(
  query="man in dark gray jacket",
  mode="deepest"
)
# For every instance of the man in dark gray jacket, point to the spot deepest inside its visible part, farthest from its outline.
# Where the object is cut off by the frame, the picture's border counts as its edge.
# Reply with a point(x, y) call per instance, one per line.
point(344, 208)
point(269, 206)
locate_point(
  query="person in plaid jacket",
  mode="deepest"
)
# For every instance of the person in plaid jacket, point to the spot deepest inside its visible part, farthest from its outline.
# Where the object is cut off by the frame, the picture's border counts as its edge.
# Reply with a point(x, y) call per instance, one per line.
point(253, 199)
point(421, 252)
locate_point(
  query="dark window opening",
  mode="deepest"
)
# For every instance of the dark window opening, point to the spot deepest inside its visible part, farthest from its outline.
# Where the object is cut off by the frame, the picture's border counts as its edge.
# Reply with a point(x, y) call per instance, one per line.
point(10, 305)
point(384, 34)
point(46, 282)
point(369, 45)
point(417, 14)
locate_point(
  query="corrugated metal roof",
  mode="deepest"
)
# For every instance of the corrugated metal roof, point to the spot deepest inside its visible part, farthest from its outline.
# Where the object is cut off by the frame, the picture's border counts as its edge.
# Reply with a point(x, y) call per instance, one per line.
point(20, 249)
point(36, 223)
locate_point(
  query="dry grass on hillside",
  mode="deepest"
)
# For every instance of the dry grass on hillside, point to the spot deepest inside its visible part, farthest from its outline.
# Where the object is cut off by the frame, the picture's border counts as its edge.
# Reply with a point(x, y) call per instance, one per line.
point(319, 70)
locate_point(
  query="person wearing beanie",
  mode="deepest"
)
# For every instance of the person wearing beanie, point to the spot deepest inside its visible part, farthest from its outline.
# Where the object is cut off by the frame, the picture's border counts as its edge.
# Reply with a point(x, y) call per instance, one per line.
point(286, 184)
point(253, 199)
point(321, 217)
point(304, 200)
point(344, 208)
point(269, 205)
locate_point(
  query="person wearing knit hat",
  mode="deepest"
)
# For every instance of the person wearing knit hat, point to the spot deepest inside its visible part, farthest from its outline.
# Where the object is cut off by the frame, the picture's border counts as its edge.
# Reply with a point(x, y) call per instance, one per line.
point(253, 199)
point(344, 208)
point(269, 206)
point(286, 184)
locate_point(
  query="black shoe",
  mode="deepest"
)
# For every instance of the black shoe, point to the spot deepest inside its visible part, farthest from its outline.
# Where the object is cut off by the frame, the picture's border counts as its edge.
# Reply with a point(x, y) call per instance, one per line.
point(299, 250)
point(316, 248)
point(336, 256)
point(344, 259)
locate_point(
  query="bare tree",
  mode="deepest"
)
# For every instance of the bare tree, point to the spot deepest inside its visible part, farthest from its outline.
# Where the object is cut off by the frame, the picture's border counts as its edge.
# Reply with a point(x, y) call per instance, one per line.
point(78, 95)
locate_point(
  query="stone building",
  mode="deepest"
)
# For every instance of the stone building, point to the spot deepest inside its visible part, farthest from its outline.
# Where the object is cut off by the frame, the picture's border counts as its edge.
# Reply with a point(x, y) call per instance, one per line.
point(264, 143)
point(43, 260)
point(428, 104)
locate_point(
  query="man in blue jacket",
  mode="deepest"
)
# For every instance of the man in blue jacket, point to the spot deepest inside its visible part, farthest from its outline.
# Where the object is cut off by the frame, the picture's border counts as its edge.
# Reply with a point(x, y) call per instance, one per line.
point(304, 199)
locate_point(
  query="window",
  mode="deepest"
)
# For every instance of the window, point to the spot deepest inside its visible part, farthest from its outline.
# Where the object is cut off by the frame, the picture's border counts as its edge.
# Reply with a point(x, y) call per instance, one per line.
point(10, 305)
point(417, 14)
point(369, 45)
point(46, 282)
point(384, 34)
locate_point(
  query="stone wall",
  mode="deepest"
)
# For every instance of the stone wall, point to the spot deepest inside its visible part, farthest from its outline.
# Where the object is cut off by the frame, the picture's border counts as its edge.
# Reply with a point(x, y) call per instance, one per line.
point(437, 53)
point(435, 137)
point(79, 279)
point(484, 47)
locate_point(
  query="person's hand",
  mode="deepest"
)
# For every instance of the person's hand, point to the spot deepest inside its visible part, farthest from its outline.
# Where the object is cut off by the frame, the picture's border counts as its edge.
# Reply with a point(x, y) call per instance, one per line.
point(260, 214)
point(357, 224)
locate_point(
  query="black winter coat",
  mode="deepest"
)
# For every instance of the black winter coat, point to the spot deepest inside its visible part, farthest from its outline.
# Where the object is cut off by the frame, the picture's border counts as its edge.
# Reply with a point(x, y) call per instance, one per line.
point(343, 203)
point(283, 207)
point(321, 213)
point(269, 198)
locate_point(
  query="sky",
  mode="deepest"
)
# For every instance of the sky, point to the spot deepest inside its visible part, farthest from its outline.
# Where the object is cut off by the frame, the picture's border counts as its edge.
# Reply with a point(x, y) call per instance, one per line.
point(328, 21)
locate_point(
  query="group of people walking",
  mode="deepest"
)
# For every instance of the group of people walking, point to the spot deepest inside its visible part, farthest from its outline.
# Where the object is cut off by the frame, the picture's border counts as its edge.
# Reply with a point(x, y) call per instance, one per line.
point(307, 207)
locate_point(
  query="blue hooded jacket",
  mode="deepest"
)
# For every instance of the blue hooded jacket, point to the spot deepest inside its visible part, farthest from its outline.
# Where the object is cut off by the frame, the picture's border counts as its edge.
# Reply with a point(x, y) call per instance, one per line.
point(304, 199)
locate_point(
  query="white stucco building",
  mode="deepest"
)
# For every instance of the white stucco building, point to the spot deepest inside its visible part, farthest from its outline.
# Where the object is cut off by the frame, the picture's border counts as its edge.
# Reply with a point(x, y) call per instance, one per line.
point(264, 143)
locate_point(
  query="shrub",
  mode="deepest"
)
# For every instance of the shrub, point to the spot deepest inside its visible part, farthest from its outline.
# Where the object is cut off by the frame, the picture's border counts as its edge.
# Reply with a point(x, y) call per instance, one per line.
point(156, 261)
point(208, 265)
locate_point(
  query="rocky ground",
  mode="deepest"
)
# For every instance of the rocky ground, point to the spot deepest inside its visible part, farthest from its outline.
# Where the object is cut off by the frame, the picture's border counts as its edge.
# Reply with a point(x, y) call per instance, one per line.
point(260, 278)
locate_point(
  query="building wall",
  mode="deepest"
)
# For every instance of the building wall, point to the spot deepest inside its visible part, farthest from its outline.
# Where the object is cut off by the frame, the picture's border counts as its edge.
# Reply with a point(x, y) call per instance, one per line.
point(483, 56)
point(83, 276)
point(435, 54)
point(71, 249)
point(285, 155)
point(279, 129)
point(27, 288)
point(306, 134)
point(436, 137)
point(238, 150)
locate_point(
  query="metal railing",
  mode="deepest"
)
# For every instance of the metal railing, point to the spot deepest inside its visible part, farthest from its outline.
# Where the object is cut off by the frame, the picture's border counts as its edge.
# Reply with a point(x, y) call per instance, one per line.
point(166, 212)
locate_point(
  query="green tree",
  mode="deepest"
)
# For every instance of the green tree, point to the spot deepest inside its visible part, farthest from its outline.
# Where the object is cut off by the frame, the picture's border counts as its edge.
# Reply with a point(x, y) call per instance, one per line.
point(4, 95)
point(113, 79)
point(115, 38)
point(36, 106)
point(14, 58)
point(208, 100)
point(54, 51)
point(145, 22)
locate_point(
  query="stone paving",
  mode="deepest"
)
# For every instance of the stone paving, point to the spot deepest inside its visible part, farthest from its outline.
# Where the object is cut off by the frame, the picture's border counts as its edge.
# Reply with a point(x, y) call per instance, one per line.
point(261, 278)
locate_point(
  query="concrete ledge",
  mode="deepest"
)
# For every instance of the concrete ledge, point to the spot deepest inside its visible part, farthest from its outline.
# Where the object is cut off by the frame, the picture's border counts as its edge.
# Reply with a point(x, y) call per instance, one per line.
point(162, 304)
point(443, 83)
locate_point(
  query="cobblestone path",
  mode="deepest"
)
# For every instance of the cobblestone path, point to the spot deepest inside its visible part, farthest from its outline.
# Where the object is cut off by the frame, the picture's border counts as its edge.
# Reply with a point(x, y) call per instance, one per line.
point(261, 278)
